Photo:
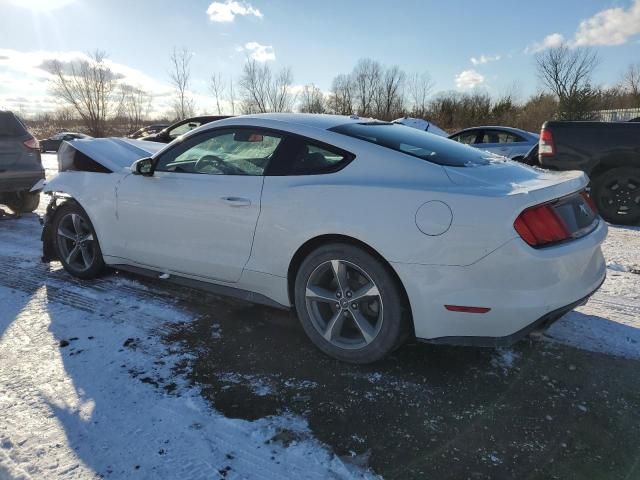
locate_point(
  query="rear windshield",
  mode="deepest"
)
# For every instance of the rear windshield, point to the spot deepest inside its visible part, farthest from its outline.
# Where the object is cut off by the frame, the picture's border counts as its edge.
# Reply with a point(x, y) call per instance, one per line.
point(416, 143)
point(10, 126)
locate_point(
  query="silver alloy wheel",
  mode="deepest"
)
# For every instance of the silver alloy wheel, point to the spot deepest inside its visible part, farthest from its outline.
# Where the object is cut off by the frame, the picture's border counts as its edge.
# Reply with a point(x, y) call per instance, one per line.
point(77, 244)
point(344, 304)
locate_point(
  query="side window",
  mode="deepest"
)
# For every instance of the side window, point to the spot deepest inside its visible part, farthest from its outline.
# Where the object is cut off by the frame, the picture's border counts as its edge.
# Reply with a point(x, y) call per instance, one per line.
point(304, 157)
point(496, 136)
point(184, 128)
point(506, 137)
point(468, 138)
point(222, 152)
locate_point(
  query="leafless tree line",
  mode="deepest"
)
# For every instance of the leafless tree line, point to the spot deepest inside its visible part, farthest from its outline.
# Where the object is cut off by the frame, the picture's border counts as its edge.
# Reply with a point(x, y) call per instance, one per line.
point(90, 90)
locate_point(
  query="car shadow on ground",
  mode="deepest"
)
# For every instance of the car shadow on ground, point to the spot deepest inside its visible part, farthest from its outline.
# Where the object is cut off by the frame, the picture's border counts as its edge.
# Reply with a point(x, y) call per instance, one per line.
point(537, 410)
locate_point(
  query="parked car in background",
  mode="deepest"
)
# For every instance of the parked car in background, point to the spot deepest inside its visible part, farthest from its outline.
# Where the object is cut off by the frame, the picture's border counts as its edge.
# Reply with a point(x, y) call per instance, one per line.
point(52, 144)
point(172, 132)
point(148, 130)
point(421, 124)
point(372, 231)
point(609, 152)
point(506, 141)
point(20, 165)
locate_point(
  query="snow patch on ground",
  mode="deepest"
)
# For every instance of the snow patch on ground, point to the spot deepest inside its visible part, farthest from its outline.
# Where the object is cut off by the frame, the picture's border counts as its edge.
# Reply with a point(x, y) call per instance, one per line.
point(505, 359)
point(99, 404)
point(610, 321)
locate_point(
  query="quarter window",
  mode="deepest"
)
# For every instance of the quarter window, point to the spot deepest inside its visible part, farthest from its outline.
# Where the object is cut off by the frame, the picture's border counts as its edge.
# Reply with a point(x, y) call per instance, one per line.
point(226, 152)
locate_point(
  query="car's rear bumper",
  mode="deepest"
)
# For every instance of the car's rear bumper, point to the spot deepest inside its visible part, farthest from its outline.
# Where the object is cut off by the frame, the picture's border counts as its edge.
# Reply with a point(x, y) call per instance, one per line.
point(525, 289)
point(19, 181)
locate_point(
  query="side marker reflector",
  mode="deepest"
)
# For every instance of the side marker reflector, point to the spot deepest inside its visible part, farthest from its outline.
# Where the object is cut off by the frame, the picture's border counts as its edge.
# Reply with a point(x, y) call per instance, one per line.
point(462, 308)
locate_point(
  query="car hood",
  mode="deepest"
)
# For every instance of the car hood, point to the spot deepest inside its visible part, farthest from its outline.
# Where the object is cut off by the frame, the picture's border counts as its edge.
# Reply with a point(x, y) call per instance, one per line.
point(506, 177)
point(115, 154)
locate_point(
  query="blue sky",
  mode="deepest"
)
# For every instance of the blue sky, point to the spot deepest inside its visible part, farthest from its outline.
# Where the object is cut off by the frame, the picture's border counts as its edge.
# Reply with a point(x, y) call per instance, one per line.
point(317, 39)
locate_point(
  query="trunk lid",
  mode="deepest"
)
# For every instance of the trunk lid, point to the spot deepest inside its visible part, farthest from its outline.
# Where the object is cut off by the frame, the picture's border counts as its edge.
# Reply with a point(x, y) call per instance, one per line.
point(506, 178)
point(113, 154)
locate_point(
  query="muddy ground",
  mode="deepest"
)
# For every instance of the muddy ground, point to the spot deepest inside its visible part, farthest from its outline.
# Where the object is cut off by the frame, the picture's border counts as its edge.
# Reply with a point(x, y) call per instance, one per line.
point(536, 410)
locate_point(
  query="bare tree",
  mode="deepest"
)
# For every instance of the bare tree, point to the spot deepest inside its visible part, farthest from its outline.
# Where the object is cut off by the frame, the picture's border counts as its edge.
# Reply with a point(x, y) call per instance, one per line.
point(262, 92)
point(254, 86)
point(419, 86)
point(180, 75)
point(232, 97)
point(216, 85)
point(136, 104)
point(567, 73)
point(89, 87)
point(312, 100)
point(341, 97)
point(281, 97)
point(389, 97)
point(631, 81)
point(366, 78)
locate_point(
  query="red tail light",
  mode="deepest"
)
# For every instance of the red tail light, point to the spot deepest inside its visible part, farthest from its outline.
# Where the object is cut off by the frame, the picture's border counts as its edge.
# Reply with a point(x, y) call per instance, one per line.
point(546, 147)
point(541, 225)
point(32, 143)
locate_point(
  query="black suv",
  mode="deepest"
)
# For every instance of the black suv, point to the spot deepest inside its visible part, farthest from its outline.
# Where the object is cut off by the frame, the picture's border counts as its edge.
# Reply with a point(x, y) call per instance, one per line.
point(20, 165)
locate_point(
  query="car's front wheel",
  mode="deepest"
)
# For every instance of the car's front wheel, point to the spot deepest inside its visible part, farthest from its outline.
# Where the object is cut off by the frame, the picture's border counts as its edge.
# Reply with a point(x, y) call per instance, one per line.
point(76, 243)
point(350, 304)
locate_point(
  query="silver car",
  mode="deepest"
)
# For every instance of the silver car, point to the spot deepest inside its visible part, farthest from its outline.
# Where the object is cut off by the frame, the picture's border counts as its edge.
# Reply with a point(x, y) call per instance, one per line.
point(505, 141)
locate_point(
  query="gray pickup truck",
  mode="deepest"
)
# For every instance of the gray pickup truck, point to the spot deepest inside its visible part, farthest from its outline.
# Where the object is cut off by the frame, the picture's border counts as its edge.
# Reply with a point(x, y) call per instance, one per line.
point(20, 165)
point(609, 152)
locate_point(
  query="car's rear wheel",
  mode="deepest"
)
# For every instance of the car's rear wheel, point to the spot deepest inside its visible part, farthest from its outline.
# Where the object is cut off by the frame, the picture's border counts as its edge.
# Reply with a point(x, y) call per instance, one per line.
point(76, 243)
point(350, 304)
point(617, 195)
point(23, 202)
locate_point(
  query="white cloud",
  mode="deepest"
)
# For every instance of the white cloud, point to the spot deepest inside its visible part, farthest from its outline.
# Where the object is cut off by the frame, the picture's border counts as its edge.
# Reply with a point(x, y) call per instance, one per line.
point(482, 59)
point(227, 11)
point(550, 41)
point(260, 53)
point(469, 79)
point(613, 26)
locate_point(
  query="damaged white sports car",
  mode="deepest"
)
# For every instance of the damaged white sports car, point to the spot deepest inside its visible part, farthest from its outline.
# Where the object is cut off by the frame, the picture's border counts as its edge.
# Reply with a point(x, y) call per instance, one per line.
point(372, 231)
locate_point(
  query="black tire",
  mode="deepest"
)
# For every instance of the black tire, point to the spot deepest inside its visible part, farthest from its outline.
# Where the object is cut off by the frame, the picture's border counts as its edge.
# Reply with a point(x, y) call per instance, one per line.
point(392, 312)
point(617, 195)
point(93, 264)
point(23, 202)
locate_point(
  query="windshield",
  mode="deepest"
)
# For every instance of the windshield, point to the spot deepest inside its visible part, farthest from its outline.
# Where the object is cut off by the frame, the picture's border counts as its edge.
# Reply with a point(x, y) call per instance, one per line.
point(416, 143)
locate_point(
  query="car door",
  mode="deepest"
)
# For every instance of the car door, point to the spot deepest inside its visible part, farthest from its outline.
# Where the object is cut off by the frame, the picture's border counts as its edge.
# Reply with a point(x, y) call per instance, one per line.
point(197, 213)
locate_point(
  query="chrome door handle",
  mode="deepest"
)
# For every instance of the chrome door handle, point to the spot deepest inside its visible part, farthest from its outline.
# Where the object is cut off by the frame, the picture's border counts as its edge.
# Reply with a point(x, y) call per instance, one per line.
point(236, 201)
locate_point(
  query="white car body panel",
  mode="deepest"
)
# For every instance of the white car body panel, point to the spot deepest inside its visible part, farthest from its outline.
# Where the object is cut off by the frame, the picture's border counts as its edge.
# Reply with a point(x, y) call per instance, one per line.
point(177, 223)
point(203, 232)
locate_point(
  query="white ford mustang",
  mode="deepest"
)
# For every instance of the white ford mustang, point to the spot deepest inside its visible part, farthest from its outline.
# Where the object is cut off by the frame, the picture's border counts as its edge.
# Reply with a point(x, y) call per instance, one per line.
point(372, 231)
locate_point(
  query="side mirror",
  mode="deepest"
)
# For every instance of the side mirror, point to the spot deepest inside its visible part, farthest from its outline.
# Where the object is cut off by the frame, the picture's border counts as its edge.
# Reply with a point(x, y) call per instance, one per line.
point(143, 167)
